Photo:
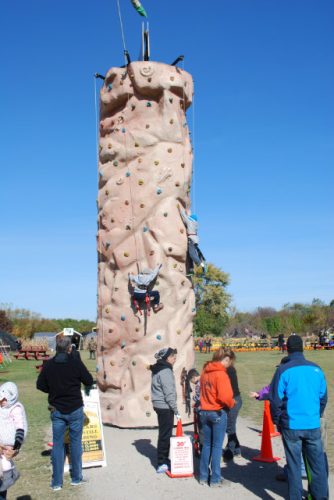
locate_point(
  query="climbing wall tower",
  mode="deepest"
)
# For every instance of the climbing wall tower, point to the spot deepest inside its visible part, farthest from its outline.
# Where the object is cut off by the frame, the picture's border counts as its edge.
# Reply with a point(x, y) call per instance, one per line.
point(145, 165)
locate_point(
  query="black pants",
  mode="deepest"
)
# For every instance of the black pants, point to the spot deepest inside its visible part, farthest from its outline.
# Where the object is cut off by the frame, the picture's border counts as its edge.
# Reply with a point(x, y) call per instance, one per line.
point(165, 421)
point(3, 494)
point(92, 355)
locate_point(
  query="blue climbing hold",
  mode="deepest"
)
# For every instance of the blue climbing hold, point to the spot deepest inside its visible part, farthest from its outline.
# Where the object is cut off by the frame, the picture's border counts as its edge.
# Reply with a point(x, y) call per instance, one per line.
point(127, 174)
point(148, 104)
point(145, 229)
point(109, 86)
point(158, 337)
point(97, 369)
point(193, 309)
point(123, 344)
point(123, 317)
point(159, 191)
point(123, 130)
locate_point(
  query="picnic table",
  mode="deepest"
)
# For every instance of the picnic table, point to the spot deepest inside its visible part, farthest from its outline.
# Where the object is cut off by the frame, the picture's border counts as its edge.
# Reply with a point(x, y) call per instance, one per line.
point(32, 352)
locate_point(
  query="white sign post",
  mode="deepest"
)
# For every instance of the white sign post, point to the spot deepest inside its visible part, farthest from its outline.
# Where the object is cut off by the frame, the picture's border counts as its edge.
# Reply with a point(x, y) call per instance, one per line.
point(181, 457)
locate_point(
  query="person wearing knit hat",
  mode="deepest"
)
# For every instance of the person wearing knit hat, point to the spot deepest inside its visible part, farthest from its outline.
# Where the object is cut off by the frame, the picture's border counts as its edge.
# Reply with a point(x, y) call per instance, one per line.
point(295, 344)
point(164, 400)
point(298, 397)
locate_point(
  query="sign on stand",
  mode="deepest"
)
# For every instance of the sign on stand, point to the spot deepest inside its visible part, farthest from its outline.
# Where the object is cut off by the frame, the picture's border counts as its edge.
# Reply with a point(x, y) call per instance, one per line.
point(93, 448)
point(181, 457)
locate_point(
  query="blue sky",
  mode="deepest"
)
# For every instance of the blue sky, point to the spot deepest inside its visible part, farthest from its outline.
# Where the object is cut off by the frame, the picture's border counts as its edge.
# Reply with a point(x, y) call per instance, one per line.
point(264, 154)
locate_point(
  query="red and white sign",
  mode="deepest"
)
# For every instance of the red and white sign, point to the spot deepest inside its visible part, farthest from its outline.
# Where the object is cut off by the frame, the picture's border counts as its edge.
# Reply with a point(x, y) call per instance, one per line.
point(181, 457)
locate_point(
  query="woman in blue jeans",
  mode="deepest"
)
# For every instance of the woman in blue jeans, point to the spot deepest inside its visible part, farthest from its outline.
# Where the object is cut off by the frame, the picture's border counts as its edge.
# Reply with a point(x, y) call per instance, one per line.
point(216, 399)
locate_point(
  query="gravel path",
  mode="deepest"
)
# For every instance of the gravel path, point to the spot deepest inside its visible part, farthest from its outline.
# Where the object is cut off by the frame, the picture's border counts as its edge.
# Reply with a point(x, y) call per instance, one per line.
point(131, 470)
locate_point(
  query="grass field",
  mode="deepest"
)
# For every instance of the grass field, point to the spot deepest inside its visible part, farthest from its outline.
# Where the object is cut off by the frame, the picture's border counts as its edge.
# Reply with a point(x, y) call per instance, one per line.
point(254, 371)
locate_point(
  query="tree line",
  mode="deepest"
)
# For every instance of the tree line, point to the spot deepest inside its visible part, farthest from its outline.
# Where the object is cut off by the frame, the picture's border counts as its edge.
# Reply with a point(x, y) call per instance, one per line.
point(215, 314)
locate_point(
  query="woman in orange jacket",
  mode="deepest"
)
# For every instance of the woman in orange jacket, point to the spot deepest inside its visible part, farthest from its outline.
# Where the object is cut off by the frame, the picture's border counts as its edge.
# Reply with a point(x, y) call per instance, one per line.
point(216, 399)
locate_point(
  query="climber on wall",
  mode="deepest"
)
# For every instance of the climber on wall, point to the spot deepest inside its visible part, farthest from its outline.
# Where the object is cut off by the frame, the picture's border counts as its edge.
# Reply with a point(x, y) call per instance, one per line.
point(194, 253)
point(143, 283)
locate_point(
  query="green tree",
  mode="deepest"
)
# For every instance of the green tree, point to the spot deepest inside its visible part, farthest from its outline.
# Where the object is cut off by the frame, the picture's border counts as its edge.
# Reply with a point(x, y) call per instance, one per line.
point(212, 301)
point(5, 323)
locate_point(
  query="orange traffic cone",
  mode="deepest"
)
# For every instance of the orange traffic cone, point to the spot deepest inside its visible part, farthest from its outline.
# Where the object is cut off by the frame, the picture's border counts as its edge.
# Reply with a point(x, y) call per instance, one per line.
point(266, 454)
point(273, 432)
point(179, 430)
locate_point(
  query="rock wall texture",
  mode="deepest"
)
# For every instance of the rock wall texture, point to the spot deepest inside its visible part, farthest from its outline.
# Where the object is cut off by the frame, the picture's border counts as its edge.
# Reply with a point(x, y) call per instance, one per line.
point(145, 165)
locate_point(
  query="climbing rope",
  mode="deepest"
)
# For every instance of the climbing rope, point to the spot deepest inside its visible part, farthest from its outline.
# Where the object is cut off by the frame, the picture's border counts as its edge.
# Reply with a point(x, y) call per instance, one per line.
point(98, 218)
point(122, 30)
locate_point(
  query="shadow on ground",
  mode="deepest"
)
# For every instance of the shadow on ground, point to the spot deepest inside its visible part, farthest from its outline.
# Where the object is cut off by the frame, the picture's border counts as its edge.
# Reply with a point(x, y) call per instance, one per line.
point(146, 448)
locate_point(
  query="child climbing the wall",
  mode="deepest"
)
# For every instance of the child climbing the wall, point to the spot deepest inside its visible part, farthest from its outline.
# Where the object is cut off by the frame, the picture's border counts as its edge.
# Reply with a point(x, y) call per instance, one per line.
point(194, 253)
point(142, 284)
point(13, 429)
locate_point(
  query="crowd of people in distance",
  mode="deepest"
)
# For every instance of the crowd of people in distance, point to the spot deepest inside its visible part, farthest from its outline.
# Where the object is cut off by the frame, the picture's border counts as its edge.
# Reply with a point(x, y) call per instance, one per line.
point(204, 345)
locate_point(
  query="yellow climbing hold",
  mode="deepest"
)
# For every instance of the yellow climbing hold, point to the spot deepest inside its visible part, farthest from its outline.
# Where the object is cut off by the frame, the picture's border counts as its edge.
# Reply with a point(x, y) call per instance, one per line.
point(140, 182)
point(175, 266)
point(146, 397)
point(156, 162)
point(178, 332)
point(109, 146)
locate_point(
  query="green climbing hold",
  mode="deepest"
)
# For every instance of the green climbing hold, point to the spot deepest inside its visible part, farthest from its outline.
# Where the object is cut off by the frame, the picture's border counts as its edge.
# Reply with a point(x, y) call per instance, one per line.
point(134, 363)
point(159, 191)
point(115, 163)
point(148, 104)
point(158, 337)
point(127, 174)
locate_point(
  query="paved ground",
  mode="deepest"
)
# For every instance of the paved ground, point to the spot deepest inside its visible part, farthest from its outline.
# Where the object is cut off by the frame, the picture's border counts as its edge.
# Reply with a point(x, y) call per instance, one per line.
point(131, 471)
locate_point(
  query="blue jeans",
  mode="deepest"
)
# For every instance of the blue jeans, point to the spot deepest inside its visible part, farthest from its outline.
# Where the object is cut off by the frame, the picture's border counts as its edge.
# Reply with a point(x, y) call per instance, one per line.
point(213, 429)
point(60, 422)
point(310, 442)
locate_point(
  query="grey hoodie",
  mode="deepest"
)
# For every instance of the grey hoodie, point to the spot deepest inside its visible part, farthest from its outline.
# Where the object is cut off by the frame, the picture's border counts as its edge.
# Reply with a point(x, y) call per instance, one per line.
point(163, 390)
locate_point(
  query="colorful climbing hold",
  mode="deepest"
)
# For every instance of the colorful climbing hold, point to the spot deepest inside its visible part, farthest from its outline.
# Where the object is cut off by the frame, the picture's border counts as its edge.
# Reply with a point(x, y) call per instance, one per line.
point(121, 407)
point(127, 174)
point(147, 126)
point(146, 397)
point(169, 150)
point(127, 202)
point(148, 413)
point(140, 182)
point(182, 231)
point(96, 368)
point(106, 192)
point(123, 130)
point(182, 283)
point(148, 104)
point(126, 254)
point(136, 145)
point(133, 107)
point(145, 229)
point(110, 331)
point(107, 245)
point(193, 309)
point(152, 253)
point(158, 337)
point(137, 329)
point(172, 78)
point(175, 266)
point(115, 163)
point(171, 100)
point(178, 332)
point(110, 86)
point(165, 214)
point(140, 160)
point(156, 162)
point(183, 165)
point(127, 227)
point(142, 205)
point(112, 220)
point(170, 249)
point(149, 79)
point(112, 363)
point(171, 121)
point(107, 310)
point(159, 191)
point(177, 184)
point(122, 317)
point(134, 363)
point(109, 146)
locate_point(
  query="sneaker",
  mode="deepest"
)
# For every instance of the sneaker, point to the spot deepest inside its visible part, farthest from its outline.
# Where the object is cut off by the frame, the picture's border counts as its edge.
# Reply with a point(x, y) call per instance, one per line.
point(227, 455)
point(158, 307)
point(78, 483)
point(281, 477)
point(56, 488)
point(222, 484)
point(202, 482)
point(162, 469)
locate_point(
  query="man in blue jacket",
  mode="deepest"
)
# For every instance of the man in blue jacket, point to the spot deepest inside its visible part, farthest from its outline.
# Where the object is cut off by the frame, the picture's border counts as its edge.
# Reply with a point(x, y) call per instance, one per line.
point(298, 397)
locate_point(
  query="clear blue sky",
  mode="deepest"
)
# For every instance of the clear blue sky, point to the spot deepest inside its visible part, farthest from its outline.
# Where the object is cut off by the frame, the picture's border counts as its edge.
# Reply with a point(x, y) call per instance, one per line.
point(264, 128)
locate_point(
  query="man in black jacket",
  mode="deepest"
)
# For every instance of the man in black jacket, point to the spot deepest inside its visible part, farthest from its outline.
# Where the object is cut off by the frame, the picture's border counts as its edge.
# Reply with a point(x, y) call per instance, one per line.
point(61, 378)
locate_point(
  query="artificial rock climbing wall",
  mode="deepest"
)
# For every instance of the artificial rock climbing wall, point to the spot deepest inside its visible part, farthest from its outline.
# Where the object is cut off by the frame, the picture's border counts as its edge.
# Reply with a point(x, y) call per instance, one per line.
point(145, 165)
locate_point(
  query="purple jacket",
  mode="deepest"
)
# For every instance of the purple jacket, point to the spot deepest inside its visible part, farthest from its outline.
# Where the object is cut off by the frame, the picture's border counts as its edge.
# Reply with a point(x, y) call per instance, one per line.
point(264, 393)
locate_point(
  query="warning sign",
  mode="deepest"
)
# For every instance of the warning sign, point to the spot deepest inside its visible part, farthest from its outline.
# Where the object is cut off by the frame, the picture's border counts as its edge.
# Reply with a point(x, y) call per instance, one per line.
point(93, 454)
point(92, 436)
point(181, 456)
